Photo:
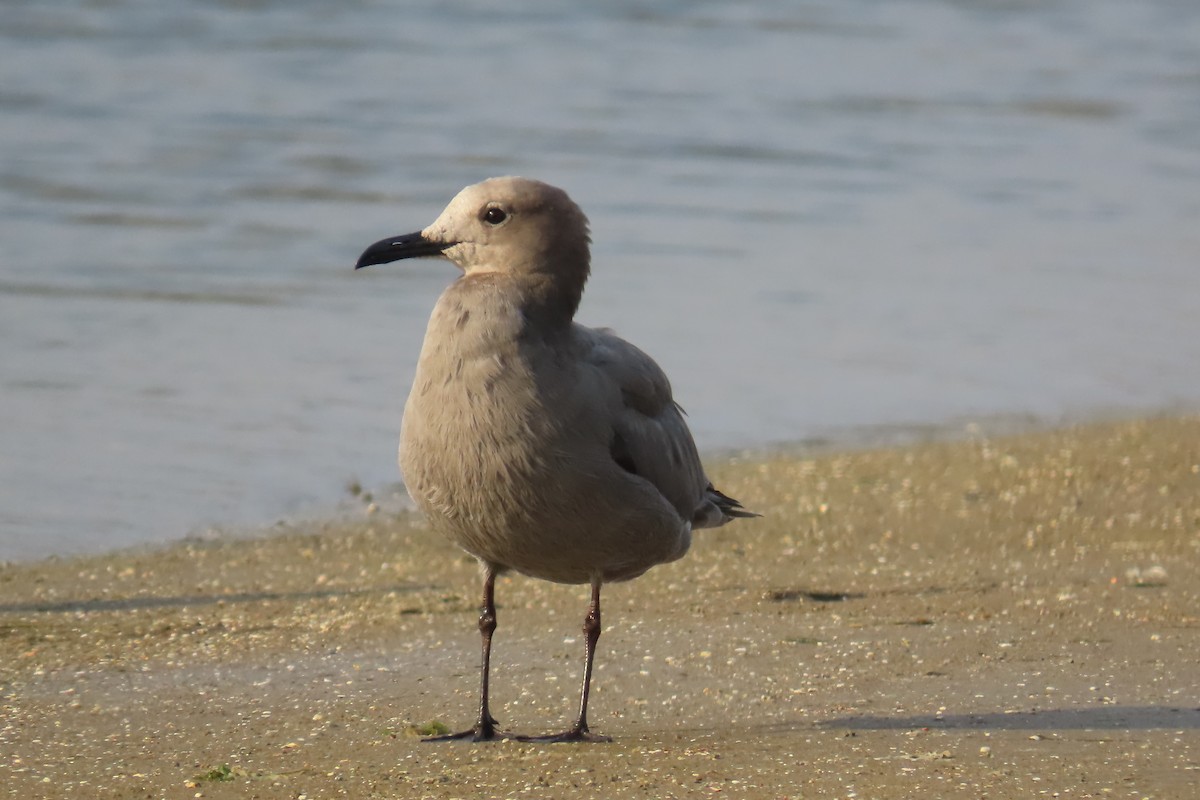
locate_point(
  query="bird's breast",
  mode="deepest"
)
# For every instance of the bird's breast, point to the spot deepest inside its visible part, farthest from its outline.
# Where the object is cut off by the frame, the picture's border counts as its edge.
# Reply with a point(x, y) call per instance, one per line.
point(474, 417)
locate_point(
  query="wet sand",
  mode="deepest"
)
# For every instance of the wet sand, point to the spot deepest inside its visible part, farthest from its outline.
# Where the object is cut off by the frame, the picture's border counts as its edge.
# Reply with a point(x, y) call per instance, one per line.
point(1014, 617)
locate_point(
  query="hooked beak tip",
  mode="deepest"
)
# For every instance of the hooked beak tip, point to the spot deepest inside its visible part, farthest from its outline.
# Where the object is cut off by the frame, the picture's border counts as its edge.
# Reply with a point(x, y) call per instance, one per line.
point(394, 248)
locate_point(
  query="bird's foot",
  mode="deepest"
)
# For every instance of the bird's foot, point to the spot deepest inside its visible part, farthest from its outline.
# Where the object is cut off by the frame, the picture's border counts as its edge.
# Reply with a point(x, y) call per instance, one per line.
point(576, 734)
point(483, 731)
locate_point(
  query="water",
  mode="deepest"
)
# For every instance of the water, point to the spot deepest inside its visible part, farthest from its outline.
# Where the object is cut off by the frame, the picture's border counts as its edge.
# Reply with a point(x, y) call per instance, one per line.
point(818, 216)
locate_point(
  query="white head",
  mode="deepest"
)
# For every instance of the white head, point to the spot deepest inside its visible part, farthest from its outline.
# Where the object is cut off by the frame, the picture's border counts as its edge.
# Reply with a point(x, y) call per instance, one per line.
point(515, 226)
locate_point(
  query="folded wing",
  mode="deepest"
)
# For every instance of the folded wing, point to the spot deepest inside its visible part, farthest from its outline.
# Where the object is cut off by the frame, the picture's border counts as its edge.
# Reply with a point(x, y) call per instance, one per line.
point(649, 436)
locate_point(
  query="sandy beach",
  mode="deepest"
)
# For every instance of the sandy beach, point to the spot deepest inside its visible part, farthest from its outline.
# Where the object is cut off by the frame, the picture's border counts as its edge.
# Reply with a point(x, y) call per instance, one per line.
point(1009, 617)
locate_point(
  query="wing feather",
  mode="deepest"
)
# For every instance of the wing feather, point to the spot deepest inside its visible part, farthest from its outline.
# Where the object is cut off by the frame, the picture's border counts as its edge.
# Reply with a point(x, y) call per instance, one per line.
point(651, 438)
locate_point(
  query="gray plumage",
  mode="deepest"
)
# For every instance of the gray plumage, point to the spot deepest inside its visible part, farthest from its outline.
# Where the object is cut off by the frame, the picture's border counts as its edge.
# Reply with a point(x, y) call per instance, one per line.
point(535, 443)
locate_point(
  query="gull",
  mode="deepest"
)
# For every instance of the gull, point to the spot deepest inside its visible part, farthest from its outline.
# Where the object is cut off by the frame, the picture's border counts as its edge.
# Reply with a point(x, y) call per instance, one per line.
point(532, 442)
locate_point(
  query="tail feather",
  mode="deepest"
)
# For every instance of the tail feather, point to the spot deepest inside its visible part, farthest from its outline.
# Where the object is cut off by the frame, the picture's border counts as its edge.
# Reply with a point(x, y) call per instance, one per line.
point(729, 508)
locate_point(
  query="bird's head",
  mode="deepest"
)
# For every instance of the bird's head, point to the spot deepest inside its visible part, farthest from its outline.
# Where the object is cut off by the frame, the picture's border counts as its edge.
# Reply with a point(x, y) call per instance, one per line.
point(509, 225)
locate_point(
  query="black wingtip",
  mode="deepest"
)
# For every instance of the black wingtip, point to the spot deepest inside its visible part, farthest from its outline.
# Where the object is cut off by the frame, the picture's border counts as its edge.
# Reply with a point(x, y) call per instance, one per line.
point(728, 506)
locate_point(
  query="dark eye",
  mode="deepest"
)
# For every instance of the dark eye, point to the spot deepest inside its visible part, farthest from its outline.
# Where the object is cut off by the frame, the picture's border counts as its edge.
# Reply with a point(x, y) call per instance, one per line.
point(494, 216)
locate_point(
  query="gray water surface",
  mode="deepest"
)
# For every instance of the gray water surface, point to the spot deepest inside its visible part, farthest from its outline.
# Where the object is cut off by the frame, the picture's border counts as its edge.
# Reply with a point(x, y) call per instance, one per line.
point(817, 216)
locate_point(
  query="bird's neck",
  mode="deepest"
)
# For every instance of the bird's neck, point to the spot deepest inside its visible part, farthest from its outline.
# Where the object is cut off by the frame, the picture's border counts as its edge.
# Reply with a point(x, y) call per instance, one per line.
point(507, 305)
point(549, 301)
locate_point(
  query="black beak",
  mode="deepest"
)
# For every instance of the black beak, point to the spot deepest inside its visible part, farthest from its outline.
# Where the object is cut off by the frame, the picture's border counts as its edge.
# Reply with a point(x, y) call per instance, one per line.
point(394, 248)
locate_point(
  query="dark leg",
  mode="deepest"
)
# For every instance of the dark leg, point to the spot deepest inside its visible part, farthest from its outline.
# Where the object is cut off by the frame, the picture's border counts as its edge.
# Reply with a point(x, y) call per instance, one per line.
point(485, 727)
point(591, 630)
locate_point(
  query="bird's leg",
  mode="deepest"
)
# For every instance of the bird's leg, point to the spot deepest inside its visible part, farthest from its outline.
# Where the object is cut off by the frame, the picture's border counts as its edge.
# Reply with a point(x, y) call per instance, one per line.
point(591, 630)
point(485, 727)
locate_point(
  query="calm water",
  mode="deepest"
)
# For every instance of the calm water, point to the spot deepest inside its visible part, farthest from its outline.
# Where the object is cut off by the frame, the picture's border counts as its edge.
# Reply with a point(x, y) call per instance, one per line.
point(818, 216)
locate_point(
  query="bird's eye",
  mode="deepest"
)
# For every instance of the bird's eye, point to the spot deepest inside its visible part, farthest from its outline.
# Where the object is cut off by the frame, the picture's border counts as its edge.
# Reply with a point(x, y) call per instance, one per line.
point(494, 216)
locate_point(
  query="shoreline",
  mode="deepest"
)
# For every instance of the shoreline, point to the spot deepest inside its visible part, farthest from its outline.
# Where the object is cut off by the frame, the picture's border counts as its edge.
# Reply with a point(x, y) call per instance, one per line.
point(391, 497)
point(954, 618)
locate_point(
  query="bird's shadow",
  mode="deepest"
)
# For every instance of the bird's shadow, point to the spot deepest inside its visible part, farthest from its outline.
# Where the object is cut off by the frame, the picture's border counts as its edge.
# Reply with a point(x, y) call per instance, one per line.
point(179, 601)
point(1114, 717)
